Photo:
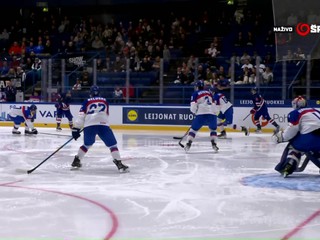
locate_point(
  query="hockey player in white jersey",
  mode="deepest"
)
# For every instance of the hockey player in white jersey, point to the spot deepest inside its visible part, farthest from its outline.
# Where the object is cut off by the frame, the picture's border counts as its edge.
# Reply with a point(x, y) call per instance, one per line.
point(302, 133)
point(93, 118)
point(23, 115)
point(225, 116)
point(202, 105)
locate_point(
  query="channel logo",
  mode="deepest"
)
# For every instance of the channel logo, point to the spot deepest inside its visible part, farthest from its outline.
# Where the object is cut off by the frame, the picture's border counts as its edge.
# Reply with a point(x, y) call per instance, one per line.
point(302, 29)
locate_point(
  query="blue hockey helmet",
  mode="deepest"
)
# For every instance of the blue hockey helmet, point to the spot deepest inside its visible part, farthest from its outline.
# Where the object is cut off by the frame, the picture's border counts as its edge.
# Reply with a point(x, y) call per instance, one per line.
point(33, 107)
point(254, 90)
point(299, 102)
point(213, 89)
point(94, 91)
point(199, 84)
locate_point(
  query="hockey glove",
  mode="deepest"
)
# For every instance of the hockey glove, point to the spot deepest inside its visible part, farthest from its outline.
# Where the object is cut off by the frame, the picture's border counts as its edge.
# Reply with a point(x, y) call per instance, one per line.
point(277, 138)
point(76, 133)
point(57, 105)
point(252, 111)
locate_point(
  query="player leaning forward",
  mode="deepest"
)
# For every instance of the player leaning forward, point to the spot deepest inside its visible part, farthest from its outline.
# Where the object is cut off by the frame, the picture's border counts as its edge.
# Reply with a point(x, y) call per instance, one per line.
point(23, 115)
point(93, 117)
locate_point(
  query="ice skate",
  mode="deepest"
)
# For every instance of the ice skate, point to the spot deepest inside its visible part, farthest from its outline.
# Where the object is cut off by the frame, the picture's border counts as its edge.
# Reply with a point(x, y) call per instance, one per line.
point(222, 135)
point(246, 130)
point(258, 130)
point(76, 163)
point(276, 130)
point(188, 146)
point(15, 131)
point(121, 167)
point(59, 129)
point(214, 146)
point(287, 170)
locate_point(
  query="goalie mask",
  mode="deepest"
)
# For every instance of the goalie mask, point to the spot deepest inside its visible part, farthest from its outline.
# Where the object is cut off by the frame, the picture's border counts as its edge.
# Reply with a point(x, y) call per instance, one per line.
point(299, 102)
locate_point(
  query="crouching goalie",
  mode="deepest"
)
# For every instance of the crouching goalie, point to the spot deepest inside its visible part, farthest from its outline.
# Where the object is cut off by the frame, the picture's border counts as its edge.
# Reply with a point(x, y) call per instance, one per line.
point(303, 135)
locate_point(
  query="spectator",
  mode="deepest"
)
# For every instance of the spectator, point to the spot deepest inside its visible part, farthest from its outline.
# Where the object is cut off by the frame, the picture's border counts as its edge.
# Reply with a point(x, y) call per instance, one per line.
point(119, 64)
point(85, 81)
point(180, 77)
point(34, 97)
point(97, 43)
point(267, 76)
point(146, 64)
point(10, 92)
point(15, 49)
point(36, 67)
point(239, 41)
point(117, 95)
point(4, 69)
point(77, 85)
point(212, 53)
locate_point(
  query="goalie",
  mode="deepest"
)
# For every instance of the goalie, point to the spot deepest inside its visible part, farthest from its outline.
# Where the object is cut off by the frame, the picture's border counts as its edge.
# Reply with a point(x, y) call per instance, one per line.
point(303, 135)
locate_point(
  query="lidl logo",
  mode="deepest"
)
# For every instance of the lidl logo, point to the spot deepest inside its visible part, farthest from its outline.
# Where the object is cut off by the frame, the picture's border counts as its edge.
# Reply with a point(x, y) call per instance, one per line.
point(132, 115)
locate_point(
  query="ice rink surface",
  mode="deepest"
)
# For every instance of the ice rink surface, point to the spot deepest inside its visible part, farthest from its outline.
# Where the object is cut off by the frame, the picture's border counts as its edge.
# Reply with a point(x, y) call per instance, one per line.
point(168, 194)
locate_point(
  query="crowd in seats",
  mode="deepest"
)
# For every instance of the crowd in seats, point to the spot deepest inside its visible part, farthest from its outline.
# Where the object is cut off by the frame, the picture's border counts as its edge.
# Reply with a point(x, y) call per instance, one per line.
point(144, 41)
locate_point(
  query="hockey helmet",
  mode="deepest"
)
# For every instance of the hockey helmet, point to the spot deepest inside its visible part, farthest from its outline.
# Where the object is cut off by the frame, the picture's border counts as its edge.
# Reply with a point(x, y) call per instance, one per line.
point(94, 91)
point(254, 90)
point(33, 107)
point(299, 102)
point(199, 84)
point(213, 89)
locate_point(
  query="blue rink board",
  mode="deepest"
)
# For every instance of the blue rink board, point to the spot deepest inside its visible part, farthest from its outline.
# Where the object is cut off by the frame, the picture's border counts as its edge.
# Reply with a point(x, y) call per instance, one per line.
point(296, 181)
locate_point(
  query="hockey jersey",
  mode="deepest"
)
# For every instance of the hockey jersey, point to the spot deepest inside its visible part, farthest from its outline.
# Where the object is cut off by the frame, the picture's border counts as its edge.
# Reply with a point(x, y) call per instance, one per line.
point(202, 103)
point(23, 112)
point(303, 120)
point(222, 102)
point(94, 111)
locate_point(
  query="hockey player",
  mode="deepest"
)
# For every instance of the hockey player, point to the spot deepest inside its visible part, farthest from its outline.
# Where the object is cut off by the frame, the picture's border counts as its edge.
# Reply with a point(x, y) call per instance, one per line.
point(63, 109)
point(23, 115)
point(260, 109)
point(225, 116)
point(202, 105)
point(94, 119)
point(302, 133)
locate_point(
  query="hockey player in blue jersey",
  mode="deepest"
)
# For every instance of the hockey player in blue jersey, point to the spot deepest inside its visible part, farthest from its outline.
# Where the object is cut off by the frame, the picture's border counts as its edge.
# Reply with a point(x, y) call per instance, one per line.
point(63, 109)
point(93, 118)
point(225, 116)
point(260, 109)
point(202, 105)
point(303, 135)
point(23, 115)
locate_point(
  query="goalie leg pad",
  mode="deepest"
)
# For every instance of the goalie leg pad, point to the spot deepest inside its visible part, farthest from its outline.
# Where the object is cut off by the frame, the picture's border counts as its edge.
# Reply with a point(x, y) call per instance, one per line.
point(283, 160)
point(290, 156)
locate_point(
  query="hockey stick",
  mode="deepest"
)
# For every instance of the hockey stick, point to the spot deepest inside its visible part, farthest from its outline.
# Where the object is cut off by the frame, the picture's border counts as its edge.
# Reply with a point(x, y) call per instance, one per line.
point(246, 116)
point(303, 165)
point(180, 144)
point(54, 134)
point(31, 170)
point(182, 136)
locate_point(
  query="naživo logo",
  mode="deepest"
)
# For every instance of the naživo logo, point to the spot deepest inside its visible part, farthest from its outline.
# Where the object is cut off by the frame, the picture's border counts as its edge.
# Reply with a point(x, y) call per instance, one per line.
point(132, 115)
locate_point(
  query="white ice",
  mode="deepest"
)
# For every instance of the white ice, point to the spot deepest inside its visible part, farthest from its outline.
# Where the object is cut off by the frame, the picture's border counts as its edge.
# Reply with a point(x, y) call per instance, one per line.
point(168, 194)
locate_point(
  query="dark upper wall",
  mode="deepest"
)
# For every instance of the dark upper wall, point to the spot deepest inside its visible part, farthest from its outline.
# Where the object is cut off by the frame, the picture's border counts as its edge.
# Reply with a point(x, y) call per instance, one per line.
point(65, 3)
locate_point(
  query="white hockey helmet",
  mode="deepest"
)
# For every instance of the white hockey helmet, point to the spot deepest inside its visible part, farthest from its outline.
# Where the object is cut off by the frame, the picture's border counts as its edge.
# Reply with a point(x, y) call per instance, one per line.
point(299, 102)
